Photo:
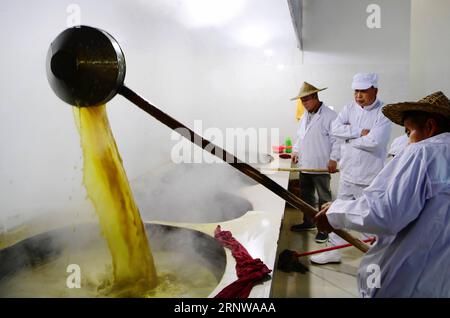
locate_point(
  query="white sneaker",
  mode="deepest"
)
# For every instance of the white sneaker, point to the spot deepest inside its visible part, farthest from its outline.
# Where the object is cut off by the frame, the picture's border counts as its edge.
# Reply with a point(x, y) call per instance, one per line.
point(326, 258)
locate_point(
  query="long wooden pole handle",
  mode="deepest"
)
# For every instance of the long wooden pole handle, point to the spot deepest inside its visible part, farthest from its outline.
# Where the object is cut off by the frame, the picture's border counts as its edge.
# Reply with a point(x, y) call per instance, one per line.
point(246, 169)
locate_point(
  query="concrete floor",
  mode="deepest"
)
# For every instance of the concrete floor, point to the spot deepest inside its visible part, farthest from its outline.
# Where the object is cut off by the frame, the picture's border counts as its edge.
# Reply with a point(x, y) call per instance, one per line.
point(322, 281)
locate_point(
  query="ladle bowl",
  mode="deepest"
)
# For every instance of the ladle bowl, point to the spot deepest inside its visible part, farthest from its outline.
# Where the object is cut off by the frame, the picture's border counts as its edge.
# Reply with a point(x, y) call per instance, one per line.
point(85, 66)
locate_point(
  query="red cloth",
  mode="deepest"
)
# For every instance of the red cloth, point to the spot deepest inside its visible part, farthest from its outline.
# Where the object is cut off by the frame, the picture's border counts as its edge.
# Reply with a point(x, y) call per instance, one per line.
point(249, 270)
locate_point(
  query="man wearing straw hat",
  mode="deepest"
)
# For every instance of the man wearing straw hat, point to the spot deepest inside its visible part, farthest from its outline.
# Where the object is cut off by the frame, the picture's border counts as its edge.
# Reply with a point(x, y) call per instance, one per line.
point(408, 207)
point(364, 132)
point(314, 148)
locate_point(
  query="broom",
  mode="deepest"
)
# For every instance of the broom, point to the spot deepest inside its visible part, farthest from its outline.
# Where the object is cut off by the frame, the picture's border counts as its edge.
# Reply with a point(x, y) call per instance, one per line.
point(288, 259)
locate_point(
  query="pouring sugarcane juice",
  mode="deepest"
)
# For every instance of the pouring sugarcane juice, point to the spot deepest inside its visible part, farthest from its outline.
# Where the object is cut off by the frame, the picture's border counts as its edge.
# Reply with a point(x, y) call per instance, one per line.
point(108, 189)
point(133, 268)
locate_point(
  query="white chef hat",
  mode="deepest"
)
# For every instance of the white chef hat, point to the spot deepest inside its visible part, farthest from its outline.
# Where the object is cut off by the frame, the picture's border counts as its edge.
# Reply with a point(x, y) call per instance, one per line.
point(365, 81)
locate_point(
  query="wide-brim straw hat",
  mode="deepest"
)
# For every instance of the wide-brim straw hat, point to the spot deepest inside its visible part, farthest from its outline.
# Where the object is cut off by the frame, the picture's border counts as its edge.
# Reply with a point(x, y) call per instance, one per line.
point(436, 103)
point(307, 89)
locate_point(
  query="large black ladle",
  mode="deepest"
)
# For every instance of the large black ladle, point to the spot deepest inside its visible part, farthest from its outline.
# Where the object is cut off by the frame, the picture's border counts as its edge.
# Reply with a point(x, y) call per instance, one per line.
point(86, 67)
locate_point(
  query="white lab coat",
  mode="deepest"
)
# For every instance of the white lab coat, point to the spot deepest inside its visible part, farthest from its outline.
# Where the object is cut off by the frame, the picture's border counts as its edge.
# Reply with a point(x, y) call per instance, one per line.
point(362, 157)
point(408, 207)
point(398, 144)
point(314, 145)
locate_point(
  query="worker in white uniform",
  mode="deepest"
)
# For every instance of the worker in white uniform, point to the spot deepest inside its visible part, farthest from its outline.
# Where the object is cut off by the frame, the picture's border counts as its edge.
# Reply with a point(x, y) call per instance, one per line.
point(315, 148)
point(408, 207)
point(364, 132)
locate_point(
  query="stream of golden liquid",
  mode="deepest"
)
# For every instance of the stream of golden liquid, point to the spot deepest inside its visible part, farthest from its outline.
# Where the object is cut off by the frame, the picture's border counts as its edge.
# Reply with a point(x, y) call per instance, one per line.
point(107, 186)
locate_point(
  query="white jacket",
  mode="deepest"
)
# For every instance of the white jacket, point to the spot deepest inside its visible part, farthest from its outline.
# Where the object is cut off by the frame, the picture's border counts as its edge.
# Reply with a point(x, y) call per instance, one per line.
point(314, 145)
point(362, 157)
point(398, 144)
point(408, 207)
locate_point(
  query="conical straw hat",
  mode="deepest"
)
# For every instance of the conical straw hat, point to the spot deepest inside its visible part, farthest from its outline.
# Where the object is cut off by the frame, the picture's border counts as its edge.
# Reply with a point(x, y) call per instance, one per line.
point(436, 103)
point(307, 89)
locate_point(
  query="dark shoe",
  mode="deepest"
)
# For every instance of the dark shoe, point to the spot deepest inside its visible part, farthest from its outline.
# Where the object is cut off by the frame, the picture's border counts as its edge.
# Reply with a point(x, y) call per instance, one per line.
point(321, 237)
point(288, 262)
point(303, 227)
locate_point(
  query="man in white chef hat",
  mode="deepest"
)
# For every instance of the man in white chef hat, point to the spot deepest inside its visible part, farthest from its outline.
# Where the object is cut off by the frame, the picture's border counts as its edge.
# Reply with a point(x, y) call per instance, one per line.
point(364, 132)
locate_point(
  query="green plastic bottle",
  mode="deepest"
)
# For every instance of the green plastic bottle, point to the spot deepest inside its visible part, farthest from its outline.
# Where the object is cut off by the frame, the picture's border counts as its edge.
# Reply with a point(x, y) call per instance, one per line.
point(288, 144)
